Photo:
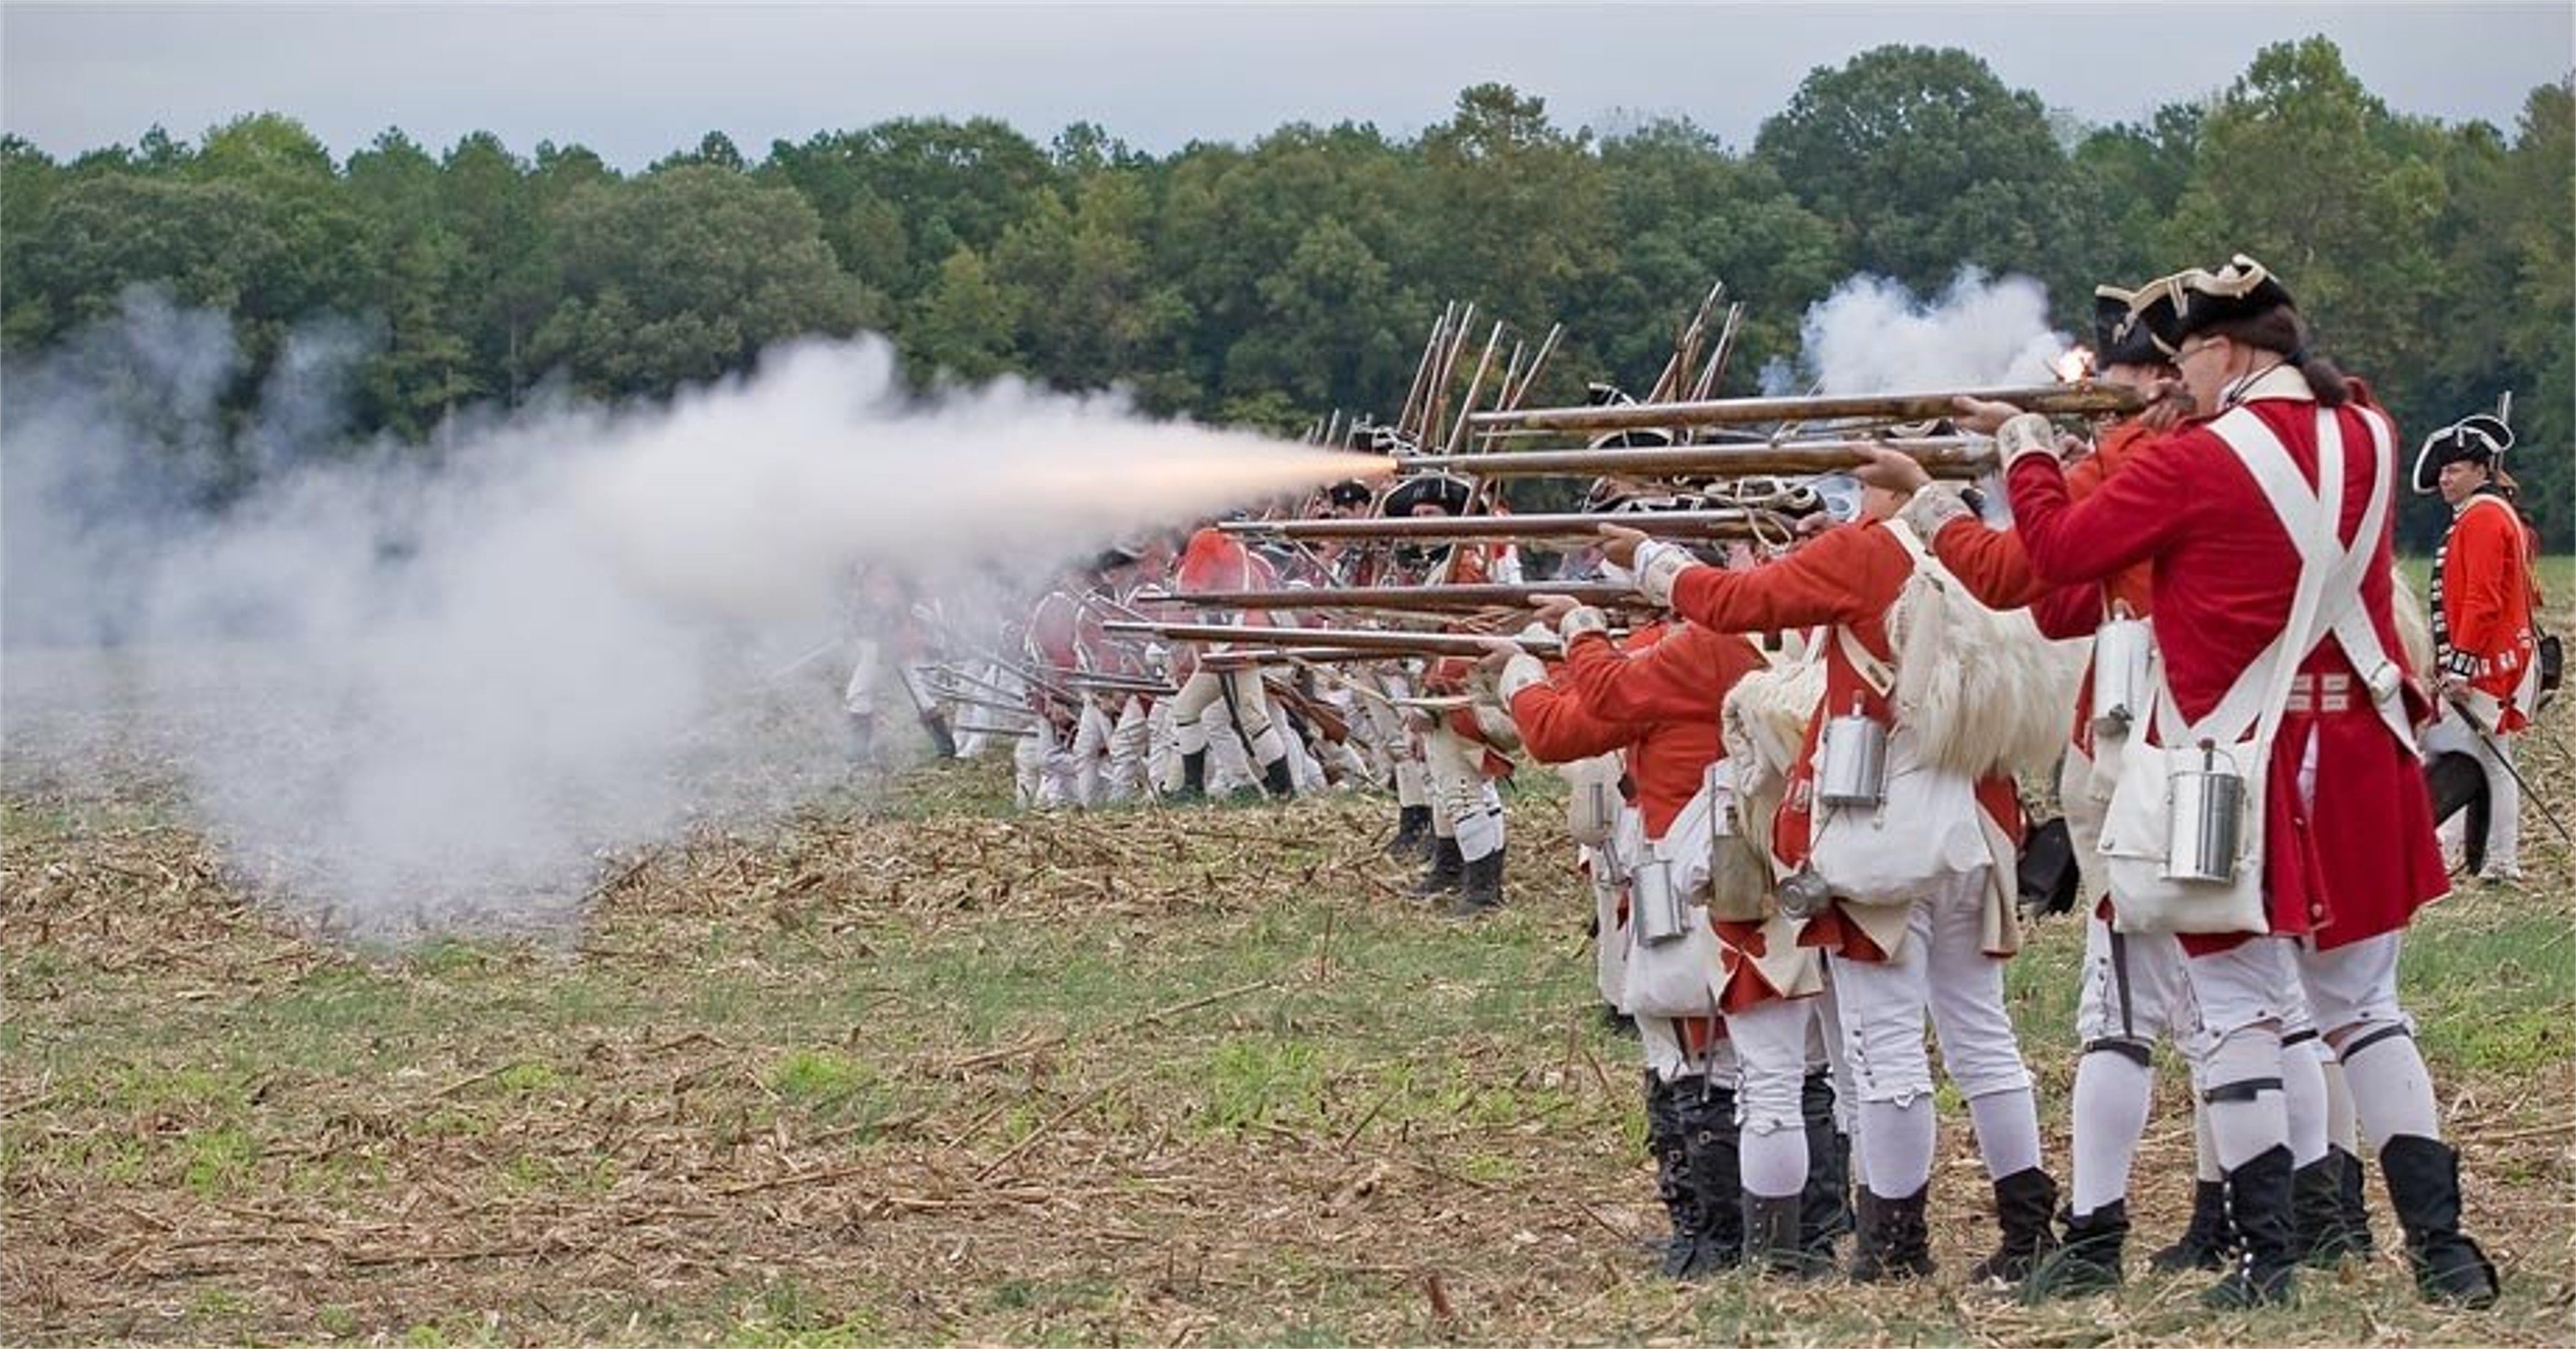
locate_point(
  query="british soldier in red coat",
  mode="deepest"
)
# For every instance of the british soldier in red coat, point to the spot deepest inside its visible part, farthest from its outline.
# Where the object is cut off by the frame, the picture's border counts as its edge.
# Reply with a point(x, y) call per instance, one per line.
point(1935, 938)
point(2350, 851)
point(2488, 672)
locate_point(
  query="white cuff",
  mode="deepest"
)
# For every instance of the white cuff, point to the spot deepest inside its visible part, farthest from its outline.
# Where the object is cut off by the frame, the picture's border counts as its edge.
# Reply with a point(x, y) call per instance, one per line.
point(1658, 566)
point(1579, 620)
point(1523, 671)
point(1930, 510)
point(2026, 433)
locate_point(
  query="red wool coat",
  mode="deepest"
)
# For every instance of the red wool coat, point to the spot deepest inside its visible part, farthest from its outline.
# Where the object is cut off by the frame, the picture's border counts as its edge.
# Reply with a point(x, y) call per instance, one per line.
point(1848, 576)
point(2486, 603)
point(2359, 859)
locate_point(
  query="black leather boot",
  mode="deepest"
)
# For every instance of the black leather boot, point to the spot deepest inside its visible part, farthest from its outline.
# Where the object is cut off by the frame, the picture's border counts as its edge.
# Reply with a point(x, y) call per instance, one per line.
point(2258, 1198)
point(1772, 1241)
point(1892, 1242)
point(1714, 1160)
point(1412, 833)
point(2025, 1201)
point(2209, 1242)
point(1275, 779)
point(2424, 1185)
point(2352, 1203)
point(1481, 886)
point(2087, 1258)
point(1446, 873)
point(1193, 778)
point(2316, 1213)
point(1824, 1206)
point(1667, 1143)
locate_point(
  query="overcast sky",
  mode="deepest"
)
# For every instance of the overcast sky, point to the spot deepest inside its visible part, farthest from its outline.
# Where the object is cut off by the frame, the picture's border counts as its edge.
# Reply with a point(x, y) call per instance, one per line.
point(636, 81)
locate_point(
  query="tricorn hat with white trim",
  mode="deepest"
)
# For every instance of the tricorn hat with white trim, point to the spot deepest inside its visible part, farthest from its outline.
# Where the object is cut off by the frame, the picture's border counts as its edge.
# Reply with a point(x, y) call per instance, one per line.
point(2125, 324)
point(2477, 439)
point(2199, 298)
point(1450, 494)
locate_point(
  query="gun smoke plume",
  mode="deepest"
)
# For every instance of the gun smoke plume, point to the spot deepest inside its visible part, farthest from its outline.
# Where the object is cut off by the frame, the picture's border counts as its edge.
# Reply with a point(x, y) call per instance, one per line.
point(1872, 335)
point(414, 686)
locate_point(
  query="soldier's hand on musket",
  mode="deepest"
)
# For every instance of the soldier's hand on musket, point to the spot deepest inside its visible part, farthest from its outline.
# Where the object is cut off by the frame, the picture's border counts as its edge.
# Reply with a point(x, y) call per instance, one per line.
point(2169, 404)
point(1894, 470)
point(1619, 544)
point(1552, 609)
point(1984, 416)
point(1498, 653)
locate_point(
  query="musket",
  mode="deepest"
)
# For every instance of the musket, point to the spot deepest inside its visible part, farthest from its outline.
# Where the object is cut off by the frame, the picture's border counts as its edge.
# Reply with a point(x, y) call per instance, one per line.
point(1722, 524)
point(1422, 368)
point(1101, 683)
point(1340, 639)
point(1475, 385)
point(1402, 598)
point(2496, 752)
point(2082, 398)
point(1956, 457)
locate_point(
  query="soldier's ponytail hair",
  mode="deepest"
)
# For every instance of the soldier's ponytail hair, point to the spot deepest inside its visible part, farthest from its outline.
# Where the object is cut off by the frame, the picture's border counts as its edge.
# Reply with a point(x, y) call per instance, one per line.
point(2280, 329)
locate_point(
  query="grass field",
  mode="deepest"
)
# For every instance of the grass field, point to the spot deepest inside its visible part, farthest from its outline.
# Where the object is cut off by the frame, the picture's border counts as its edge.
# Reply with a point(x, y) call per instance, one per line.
point(908, 1069)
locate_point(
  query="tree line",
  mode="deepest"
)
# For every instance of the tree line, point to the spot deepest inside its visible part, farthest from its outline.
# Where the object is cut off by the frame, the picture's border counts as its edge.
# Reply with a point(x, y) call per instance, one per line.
point(1267, 283)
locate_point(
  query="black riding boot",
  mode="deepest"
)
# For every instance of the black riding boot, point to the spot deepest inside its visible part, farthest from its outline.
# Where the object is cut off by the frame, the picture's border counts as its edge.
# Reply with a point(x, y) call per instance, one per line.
point(1892, 1242)
point(1772, 1241)
point(1275, 779)
point(1668, 1143)
point(1824, 1206)
point(2087, 1258)
point(1412, 833)
point(2209, 1242)
point(2258, 1198)
point(2316, 1213)
point(1446, 873)
point(2025, 1201)
point(2352, 1203)
point(1481, 886)
point(2424, 1185)
point(1716, 1178)
point(1193, 778)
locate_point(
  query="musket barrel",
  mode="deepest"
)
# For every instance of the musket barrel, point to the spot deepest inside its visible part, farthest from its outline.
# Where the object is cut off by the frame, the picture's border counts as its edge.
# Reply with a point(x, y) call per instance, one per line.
point(2081, 398)
point(1942, 456)
point(1724, 524)
point(1341, 639)
point(1442, 597)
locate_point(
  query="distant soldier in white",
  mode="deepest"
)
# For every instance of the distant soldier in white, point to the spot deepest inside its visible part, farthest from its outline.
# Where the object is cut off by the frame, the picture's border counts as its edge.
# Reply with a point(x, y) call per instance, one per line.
point(2487, 683)
point(1114, 740)
point(1392, 751)
point(1464, 744)
point(1048, 774)
point(1214, 560)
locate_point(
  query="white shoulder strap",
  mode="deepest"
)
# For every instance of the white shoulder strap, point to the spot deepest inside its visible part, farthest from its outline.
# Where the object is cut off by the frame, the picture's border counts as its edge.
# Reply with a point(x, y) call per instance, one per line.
point(2262, 690)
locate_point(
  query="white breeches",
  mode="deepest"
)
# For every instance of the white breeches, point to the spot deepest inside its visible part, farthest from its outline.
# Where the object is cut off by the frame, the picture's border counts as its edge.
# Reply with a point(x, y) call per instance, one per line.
point(1941, 968)
point(1464, 804)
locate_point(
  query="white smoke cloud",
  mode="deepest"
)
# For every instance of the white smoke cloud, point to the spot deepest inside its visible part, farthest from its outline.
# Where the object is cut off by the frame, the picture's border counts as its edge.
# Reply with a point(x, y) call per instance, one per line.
point(409, 692)
point(1873, 336)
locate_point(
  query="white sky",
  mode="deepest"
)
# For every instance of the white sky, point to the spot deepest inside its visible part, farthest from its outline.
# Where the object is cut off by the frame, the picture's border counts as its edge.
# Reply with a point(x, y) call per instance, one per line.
point(636, 81)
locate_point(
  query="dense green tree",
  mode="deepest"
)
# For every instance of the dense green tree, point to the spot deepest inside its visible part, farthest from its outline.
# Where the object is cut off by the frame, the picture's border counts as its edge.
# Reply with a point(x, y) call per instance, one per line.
point(1274, 282)
point(685, 275)
point(1928, 162)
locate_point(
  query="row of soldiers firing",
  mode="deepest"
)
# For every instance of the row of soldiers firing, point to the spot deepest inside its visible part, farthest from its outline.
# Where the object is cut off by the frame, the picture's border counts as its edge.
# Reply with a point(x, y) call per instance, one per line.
point(1797, 721)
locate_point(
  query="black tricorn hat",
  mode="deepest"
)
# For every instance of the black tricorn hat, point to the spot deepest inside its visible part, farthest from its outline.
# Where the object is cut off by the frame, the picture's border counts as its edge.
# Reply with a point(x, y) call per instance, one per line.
point(1443, 490)
point(2200, 297)
point(2124, 327)
point(1113, 557)
point(2477, 439)
point(1349, 492)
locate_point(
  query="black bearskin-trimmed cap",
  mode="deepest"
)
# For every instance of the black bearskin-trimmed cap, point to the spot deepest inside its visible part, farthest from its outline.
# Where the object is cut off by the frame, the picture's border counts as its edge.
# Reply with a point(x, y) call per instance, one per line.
point(1349, 492)
point(2477, 439)
point(2124, 327)
point(1451, 494)
point(2200, 297)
